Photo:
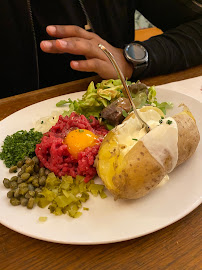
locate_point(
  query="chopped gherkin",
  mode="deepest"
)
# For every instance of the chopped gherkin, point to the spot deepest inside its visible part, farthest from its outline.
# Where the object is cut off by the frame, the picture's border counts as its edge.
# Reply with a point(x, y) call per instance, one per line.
point(66, 195)
point(42, 219)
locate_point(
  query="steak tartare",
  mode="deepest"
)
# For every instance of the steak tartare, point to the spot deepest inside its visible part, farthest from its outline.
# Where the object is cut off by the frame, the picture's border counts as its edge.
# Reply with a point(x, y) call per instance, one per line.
point(53, 151)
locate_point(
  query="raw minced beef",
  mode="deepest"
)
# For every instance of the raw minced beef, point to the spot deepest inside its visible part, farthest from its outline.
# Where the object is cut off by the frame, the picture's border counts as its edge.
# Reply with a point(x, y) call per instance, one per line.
point(54, 155)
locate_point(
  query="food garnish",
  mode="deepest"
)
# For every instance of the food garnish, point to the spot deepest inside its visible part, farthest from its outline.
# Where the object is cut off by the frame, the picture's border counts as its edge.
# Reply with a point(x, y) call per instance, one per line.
point(19, 145)
point(96, 99)
point(66, 196)
point(42, 219)
point(33, 185)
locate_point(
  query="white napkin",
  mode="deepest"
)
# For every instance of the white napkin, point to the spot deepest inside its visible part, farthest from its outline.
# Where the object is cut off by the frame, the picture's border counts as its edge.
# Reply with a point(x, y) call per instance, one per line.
point(190, 87)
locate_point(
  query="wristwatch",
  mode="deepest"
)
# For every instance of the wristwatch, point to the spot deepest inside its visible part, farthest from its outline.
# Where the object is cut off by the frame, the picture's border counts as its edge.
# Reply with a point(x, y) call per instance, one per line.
point(136, 54)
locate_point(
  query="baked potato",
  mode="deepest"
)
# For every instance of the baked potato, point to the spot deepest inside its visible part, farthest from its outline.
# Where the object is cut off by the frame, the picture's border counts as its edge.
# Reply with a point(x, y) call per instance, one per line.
point(131, 162)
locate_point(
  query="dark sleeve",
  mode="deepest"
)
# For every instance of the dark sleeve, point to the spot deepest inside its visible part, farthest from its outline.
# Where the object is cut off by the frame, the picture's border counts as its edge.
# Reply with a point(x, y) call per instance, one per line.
point(180, 46)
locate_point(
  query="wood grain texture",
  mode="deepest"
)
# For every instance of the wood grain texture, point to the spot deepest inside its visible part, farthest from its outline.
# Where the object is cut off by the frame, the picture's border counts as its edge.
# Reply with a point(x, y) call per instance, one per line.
point(176, 247)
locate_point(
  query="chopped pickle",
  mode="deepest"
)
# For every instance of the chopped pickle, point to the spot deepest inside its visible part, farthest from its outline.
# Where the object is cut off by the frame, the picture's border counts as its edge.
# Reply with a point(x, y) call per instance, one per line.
point(66, 195)
point(42, 219)
point(52, 181)
point(63, 201)
point(42, 202)
point(77, 215)
point(48, 194)
point(103, 195)
point(58, 211)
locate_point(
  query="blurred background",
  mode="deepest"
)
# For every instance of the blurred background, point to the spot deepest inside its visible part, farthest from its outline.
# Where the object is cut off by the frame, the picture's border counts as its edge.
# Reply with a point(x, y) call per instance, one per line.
point(144, 29)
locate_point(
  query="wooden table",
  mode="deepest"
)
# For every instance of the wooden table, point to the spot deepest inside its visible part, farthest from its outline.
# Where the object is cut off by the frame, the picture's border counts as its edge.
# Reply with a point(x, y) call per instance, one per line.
point(176, 247)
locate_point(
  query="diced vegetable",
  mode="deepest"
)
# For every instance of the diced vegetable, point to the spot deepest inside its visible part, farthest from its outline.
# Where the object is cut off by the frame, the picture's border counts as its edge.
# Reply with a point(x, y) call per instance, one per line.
point(67, 195)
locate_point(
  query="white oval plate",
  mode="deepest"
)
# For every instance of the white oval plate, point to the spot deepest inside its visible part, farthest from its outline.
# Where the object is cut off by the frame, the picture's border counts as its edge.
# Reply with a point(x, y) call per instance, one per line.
point(107, 221)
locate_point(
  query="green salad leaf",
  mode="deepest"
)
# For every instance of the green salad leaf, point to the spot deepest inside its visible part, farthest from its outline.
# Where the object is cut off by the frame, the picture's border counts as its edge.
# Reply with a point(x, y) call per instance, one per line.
point(96, 98)
point(164, 106)
point(61, 103)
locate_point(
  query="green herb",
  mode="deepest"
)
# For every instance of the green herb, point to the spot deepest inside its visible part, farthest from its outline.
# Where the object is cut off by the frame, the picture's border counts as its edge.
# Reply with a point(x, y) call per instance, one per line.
point(81, 130)
point(135, 139)
point(160, 121)
point(85, 208)
point(41, 122)
point(109, 127)
point(169, 122)
point(124, 113)
point(162, 117)
point(18, 145)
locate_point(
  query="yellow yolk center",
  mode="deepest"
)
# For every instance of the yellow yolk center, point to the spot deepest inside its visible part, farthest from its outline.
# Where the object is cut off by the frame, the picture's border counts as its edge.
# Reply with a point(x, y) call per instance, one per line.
point(78, 140)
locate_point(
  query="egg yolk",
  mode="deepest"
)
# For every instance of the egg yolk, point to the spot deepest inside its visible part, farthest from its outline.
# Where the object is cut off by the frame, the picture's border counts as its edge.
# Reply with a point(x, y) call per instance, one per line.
point(79, 139)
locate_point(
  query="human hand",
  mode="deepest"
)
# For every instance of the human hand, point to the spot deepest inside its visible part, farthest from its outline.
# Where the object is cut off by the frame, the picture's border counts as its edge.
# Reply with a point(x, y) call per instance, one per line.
point(75, 40)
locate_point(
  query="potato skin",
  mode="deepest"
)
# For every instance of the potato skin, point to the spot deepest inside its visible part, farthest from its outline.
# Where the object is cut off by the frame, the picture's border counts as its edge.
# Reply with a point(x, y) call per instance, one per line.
point(138, 172)
point(140, 175)
point(188, 137)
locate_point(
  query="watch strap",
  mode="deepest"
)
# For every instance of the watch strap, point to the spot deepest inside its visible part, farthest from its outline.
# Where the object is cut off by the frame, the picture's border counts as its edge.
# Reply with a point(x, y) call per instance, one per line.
point(138, 71)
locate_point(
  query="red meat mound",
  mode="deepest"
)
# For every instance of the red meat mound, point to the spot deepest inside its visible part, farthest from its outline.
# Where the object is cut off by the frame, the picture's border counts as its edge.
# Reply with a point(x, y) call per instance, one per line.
point(54, 155)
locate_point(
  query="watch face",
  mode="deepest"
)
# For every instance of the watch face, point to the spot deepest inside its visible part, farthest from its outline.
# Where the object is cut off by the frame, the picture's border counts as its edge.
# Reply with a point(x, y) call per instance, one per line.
point(136, 53)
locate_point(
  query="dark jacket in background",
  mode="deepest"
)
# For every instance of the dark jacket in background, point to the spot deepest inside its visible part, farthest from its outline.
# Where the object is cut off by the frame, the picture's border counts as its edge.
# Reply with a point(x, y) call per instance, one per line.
point(22, 26)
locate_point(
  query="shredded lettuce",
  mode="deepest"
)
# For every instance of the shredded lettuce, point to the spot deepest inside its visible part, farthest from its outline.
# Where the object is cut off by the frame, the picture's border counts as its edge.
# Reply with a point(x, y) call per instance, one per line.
point(164, 106)
point(96, 98)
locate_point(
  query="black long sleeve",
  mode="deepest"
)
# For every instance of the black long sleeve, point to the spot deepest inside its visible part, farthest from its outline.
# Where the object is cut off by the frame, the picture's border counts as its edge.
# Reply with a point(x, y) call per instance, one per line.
point(180, 46)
